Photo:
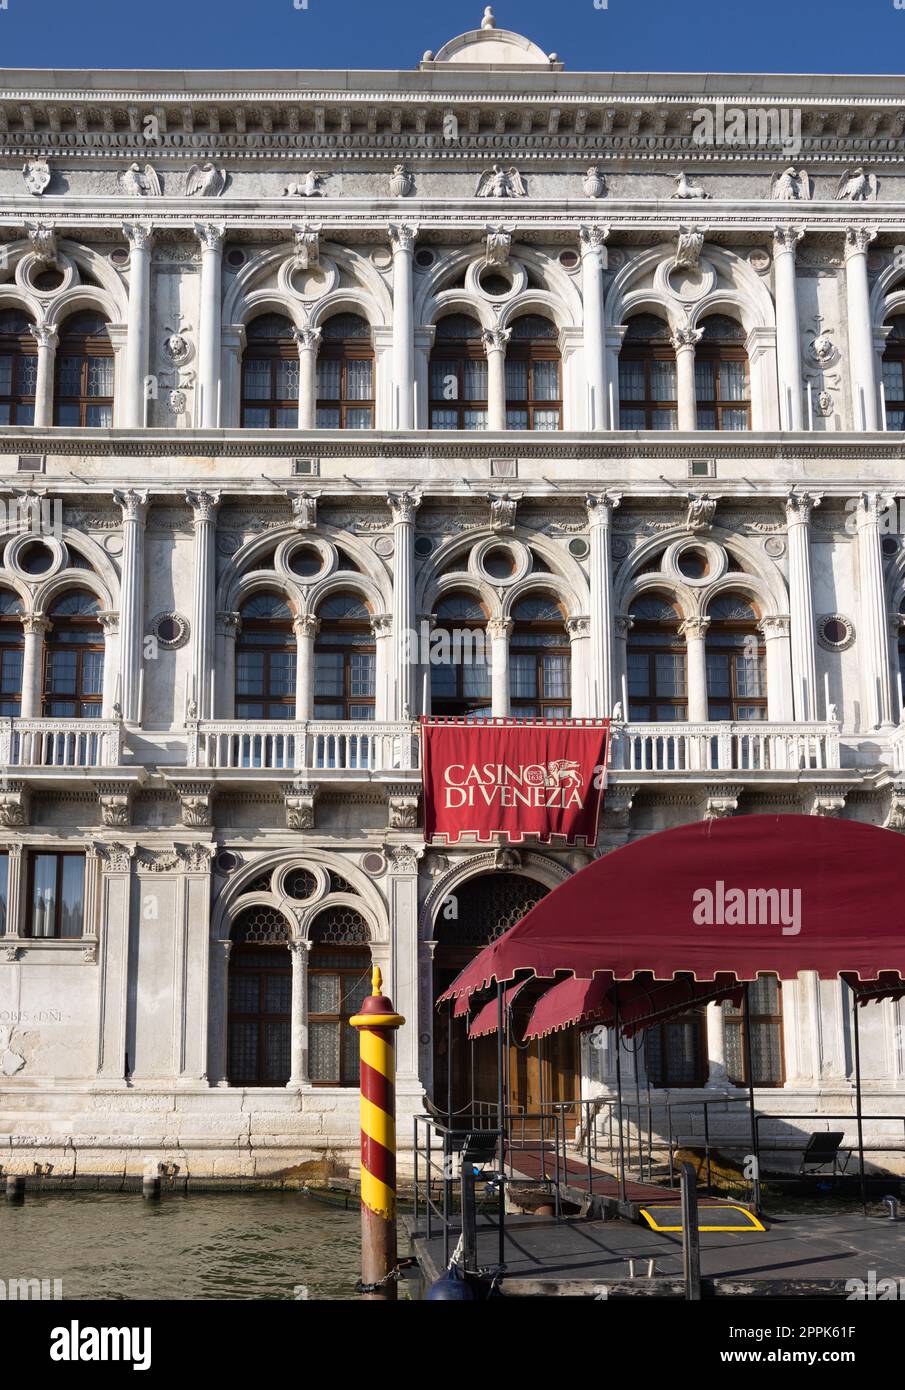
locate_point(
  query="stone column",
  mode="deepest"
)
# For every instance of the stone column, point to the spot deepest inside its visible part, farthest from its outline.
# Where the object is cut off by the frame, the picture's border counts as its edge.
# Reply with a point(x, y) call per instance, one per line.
point(874, 661)
point(498, 630)
point(382, 629)
point(192, 972)
point(860, 330)
point(694, 631)
point(579, 630)
point(204, 509)
point(603, 694)
point(780, 703)
point(717, 1075)
point(33, 627)
point(495, 340)
point(211, 235)
point(111, 702)
point(804, 665)
point(402, 905)
point(788, 349)
point(402, 240)
point(684, 340)
point(593, 264)
point(140, 238)
point(46, 339)
point(403, 506)
point(306, 629)
point(131, 607)
point(113, 1007)
point(308, 340)
point(228, 627)
point(622, 626)
point(298, 1066)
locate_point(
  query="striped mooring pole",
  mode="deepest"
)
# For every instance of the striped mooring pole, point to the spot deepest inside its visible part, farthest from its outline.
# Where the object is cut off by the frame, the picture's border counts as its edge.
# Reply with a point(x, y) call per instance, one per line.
point(377, 1024)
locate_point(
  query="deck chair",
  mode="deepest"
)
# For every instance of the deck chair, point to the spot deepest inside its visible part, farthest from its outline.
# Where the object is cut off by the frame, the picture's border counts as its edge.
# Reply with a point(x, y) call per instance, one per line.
point(823, 1150)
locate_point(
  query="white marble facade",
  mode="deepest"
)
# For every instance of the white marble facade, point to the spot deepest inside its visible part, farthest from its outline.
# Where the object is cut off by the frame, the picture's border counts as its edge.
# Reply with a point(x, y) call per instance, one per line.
point(494, 184)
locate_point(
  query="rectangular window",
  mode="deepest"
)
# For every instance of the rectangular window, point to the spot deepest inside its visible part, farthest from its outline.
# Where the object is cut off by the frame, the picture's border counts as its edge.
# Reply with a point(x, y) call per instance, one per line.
point(56, 895)
point(675, 1052)
point(765, 1001)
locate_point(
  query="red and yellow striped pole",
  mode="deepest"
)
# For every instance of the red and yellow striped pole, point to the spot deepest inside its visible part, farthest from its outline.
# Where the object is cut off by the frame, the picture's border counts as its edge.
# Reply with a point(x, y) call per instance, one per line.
point(376, 1026)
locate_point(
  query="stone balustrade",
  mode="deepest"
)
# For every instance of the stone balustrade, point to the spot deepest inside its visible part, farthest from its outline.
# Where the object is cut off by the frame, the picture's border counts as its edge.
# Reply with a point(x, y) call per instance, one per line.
point(304, 746)
point(84, 743)
point(725, 747)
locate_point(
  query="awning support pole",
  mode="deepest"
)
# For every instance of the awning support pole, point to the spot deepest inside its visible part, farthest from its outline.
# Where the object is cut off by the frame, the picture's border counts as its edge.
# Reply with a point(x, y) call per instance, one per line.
point(501, 1198)
point(691, 1235)
point(618, 1036)
point(449, 1062)
point(856, 1038)
point(749, 1053)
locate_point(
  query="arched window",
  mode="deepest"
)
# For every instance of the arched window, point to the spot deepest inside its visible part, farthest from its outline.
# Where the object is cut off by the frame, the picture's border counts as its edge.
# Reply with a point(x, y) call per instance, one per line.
point(540, 678)
point(74, 658)
point(647, 376)
point(84, 372)
point(270, 374)
point(12, 650)
point(765, 1003)
point(259, 1016)
point(894, 374)
point(458, 375)
point(18, 368)
point(721, 382)
point(736, 660)
point(460, 659)
point(345, 375)
point(339, 980)
point(345, 661)
point(657, 679)
point(265, 659)
point(533, 375)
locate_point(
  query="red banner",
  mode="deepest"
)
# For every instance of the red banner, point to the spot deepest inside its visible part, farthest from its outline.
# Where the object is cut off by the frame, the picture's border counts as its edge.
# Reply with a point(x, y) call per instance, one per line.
point(522, 778)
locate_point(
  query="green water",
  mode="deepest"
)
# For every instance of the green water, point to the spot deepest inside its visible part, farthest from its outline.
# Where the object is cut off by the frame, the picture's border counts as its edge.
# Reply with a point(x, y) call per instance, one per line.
point(260, 1245)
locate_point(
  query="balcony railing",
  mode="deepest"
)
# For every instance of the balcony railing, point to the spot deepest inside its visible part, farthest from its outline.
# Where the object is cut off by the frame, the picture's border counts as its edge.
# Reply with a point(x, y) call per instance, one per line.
point(60, 742)
point(725, 747)
point(318, 745)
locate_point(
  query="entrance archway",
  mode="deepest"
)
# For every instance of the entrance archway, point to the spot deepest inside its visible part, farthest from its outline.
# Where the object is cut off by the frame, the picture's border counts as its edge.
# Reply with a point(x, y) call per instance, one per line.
point(470, 919)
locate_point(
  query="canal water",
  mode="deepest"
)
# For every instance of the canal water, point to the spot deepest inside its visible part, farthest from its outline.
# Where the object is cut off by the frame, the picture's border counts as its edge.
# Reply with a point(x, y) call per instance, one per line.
point(260, 1245)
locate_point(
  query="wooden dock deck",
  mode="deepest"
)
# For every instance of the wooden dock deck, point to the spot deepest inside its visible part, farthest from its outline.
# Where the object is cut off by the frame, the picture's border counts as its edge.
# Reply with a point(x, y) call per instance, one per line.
point(797, 1256)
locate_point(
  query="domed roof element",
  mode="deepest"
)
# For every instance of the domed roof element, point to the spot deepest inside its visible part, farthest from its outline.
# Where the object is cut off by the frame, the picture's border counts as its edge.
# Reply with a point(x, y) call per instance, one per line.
point(490, 47)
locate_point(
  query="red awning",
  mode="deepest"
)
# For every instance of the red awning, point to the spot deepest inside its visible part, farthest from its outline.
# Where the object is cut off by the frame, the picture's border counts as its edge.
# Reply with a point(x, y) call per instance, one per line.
point(641, 1002)
point(485, 1020)
point(751, 894)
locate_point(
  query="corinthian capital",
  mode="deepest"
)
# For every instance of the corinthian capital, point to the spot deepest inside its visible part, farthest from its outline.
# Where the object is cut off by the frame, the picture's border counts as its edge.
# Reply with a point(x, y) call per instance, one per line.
point(857, 240)
point(211, 235)
point(133, 503)
point(139, 235)
point(308, 338)
point(44, 335)
point(593, 238)
point(787, 237)
point(495, 339)
point(402, 235)
point(204, 505)
point(686, 338)
point(799, 506)
point(403, 506)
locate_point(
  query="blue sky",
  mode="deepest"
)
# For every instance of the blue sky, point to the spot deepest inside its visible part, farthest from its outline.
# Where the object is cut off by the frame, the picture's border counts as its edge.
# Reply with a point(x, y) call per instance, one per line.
point(629, 35)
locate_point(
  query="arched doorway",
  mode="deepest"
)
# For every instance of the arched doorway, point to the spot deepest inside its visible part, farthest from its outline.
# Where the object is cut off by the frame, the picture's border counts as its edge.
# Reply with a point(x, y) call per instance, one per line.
point(259, 1016)
point(468, 920)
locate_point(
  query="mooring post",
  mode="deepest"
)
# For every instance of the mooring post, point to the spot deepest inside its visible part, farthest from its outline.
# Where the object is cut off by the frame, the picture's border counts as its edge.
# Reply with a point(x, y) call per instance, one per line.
point(691, 1235)
point(15, 1187)
point(377, 1024)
